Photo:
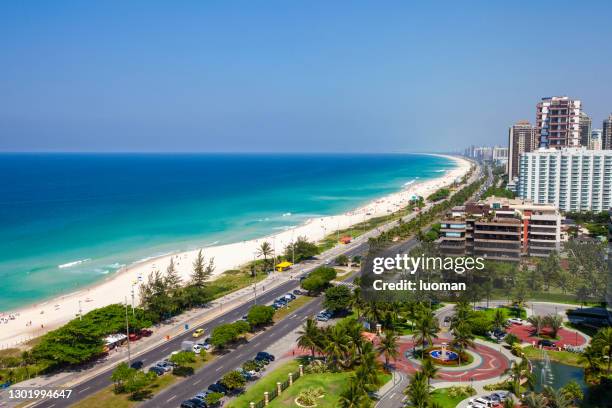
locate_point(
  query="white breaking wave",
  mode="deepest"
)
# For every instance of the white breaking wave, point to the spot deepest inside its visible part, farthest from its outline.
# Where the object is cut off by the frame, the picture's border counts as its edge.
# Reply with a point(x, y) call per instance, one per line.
point(410, 182)
point(441, 171)
point(287, 214)
point(285, 227)
point(74, 263)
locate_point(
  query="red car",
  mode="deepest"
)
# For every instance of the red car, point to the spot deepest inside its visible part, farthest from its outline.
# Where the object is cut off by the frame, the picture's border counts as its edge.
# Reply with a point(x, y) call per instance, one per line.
point(146, 332)
point(134, 336)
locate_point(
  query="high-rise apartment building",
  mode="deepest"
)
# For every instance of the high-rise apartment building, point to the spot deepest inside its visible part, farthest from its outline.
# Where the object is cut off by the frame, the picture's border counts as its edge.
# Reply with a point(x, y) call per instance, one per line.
point(558, 122)
point(606, 137)
point(572, 179)
point(500, 156)
point(596, 139)
point(585, 130)
point(521, 139)
point(501, 229)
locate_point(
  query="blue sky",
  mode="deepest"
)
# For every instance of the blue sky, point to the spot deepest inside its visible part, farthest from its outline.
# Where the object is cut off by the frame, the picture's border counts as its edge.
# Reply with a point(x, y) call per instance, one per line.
point(291, 75)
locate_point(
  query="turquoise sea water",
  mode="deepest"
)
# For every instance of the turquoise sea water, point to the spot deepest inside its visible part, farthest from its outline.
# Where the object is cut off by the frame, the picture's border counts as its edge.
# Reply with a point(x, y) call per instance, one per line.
point(68, 220)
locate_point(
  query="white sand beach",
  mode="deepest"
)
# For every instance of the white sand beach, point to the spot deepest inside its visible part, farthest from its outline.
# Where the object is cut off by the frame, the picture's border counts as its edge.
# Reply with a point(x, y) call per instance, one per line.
point(35, 320)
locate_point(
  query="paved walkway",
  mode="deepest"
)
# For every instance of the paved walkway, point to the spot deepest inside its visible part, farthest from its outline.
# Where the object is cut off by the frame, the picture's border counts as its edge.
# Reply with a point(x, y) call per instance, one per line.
point(526, 333)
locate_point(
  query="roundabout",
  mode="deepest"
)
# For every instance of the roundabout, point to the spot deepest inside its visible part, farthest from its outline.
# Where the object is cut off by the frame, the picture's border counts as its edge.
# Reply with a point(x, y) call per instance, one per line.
point(487, 362)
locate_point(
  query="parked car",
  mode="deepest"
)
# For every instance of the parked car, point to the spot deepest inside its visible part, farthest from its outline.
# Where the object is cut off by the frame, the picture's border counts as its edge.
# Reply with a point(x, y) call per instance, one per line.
point(282, 301)
point(146, 332)
point(205, 344)
point(135, 337)
point(198, 333)
point(218, 387)
point(202, 395)
point(546, 343)
point(137, 364)
point(297, 292)
point(157, 370)
point(262, 355)
point(193, 403)
point(516, 320)
point(164, 365)
point(197, 348)
point(290, 296)
point(322, 318)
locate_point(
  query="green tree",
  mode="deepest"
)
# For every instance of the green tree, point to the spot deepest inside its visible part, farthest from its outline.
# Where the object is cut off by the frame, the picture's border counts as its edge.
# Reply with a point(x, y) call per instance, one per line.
point(172, 279)
point(302, 248)
point(233, 380)
point(202, 271)
point(354, 396)
point(265, 251)
point(337, 298)
point(183, 360)
point(260, 315)
point(336, 347)
point(426, 328)
point(499, 319)
point(462, 338)
point(342, 260)
point(137, 384)
point(534, 400)
point(538, 323)
point(388, 346)
point(603, 343)
point(213, 399)
point(121, 375)
point(520, 372)
point(573, 392)
point(418, 391)
point(309, 336)
point(554, 322)
point(429, 369)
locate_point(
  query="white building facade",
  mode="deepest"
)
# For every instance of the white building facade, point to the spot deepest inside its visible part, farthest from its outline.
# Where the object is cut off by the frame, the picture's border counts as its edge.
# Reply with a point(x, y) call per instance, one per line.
point(572, 179)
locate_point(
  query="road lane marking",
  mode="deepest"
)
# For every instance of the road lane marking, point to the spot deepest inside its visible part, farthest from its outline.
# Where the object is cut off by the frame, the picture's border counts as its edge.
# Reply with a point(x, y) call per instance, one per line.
point(171, 398)
point(84, 389)
point(219, 368)
point(164, 349)
point(197, 382)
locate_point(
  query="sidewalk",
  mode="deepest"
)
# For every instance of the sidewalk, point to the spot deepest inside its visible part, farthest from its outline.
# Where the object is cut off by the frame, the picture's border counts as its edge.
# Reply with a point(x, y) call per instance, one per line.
point(172, 328)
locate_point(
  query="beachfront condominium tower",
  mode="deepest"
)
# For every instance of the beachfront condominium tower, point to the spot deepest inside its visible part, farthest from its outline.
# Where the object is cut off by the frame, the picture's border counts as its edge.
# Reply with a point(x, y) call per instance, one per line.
point(572, 179)
point(606, 137)
point(521, 139)
point(585, 130)
point(558, 122)
point(596, 138)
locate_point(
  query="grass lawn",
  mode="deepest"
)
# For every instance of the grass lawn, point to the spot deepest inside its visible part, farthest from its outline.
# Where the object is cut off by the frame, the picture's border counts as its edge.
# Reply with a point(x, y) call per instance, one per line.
point(266, 383)
point(108, 399)
point(508, 312)
point(291, 307)
point(446, 401)
point(332, 383)
point(564, 357)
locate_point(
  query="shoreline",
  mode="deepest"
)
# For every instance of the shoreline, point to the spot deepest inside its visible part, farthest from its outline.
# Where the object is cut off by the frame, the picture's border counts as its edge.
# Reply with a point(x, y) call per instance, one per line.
point(55, 311)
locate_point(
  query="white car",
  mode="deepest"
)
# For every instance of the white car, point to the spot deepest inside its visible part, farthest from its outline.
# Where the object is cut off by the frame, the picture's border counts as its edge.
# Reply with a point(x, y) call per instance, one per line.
point(516, 320)
point(197, 348)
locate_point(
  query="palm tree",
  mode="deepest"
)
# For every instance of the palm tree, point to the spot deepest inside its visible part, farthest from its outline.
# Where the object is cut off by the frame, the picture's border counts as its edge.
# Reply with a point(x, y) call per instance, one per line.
point(429, 369)
point(537, 322)
point(499, 319)
point(603, 342)
point(265, 250)
point(462, 313)
point(426, 329)
point(337, 346)
point(310, 336)
point(519, 371)
point(388, 346)
point(462, 338)
point(508, 403)
point(354, 396)
point(554, 322)
point(556, 398)
point(418, 391)
point(534, 400)
point(590, 358)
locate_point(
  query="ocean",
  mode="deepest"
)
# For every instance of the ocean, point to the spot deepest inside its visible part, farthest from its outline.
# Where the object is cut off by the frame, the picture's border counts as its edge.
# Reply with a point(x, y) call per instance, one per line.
point(69, 220)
